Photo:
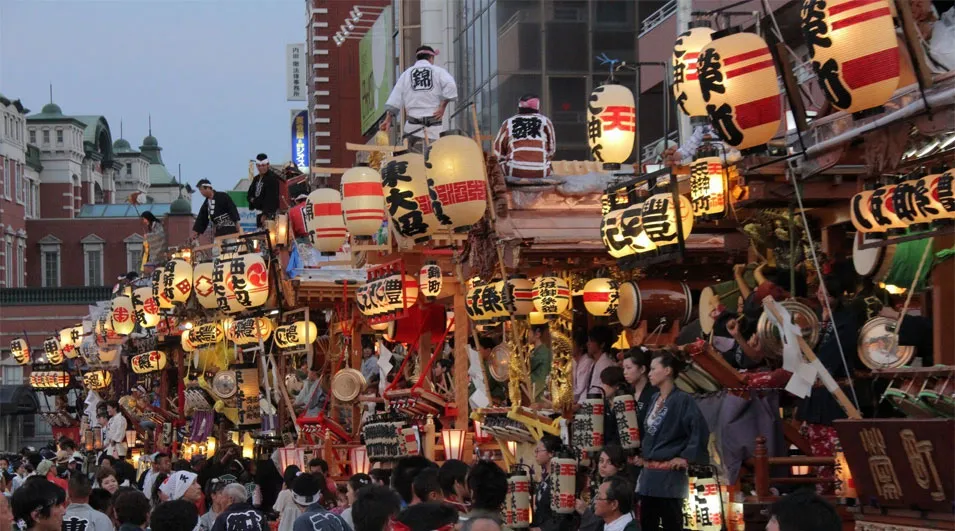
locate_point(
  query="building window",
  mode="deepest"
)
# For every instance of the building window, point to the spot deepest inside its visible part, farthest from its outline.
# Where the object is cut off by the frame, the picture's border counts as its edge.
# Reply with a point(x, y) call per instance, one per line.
point(21, 263)
point(8, 262)
point(6, 178)
point(18, 181)
point(12, 375)
point(46, 136)
point(134, 256)
point(51, 268)
point(129, 168)
point(59, 136)
point(94, 267)
point(32, 136)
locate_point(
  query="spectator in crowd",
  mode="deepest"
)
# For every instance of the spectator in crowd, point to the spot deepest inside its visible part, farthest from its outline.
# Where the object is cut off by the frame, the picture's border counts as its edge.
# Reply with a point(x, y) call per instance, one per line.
point(481, 524)
point(157, 496)
point(487, 486)
point(181, 485)
point(403, 475)
point(240, 515)
point(219, 503)
point(320, 466)
point(176, 515)
point(354, 484)
point(380, 476)
point(47, 469)
point(428, 516)
point(79, 514)
point(317, 518)
point(600, 347)
point(23, 470)
point(304, 490)
point(583, 366)
point(375, 507)
point(132, 510)
point(38, 506)
point(544, 518)
point(425, 487)
point(612, 461)
point(6, 513)
point(803, 511)
point(453, 478)
point(102, 501)
point(614, 504)
point(106, 479)
point(161, 463)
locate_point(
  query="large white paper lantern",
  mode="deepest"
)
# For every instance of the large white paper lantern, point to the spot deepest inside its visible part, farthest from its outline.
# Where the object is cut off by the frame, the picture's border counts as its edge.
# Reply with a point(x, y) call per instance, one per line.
point(146, 307)
point(551, 295)
point(203, 286)
point(323, 220)
point(405, 187)
point(600, 297)
point(363, 201)
point(457, 181)
point(611, 123)
point(686, 51)
point(124, 315)
point(296, 334)
point(659, 219)
point(248, 281)
point(177, 280)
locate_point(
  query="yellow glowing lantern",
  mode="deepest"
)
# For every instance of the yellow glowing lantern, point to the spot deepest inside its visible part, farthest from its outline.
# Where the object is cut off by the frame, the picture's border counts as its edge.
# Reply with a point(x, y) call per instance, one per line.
point(854, 51)
point(686, 50)
point(249, 331)
point(430, 280)
point(551, 295)
point(51, 347)
point(278, 230)
point(400, 292)
point(457, 181)
point(147, 362)
point(600, 297)
point(611, 123)
point(659, 219)
point(359, 460)
point(296, 334)
point(248, 280)
point(158, 279)
point(363, 201)
point(405, 188)
point(707, 504)
point(223, 282)
point(49, 380)
point(487, 303)
point(708, 184)
point(71, 336)
point(323, 220)
point(146, 307)
point(860, 213)
point(20, 351)
point(124, 315)
point(97, 380)
point(941, 195)
point(203, 286)
point(379, 327)
point(623, 234)
point(521, 294)
point(200, 336)
point(738, 81)
point(177, 280)
point(884, 210)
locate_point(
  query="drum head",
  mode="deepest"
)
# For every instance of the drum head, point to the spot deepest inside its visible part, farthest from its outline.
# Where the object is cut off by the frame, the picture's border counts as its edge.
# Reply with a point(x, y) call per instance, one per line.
point(347, 384)
point(801, 314)
point(628, 304)
point(879, 346)
point(866, 261)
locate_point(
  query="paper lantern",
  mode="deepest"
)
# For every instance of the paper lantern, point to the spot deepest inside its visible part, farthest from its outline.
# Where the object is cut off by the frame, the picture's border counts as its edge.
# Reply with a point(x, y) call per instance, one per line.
point(707, 504)
point(296, 334)
point(323, 220)
point(686, 50)
point(658, 219)
point(551, 295)
point(20, 351)
point(738, 81)
point(623, 234)
point(359, 460)
point(248, 331)
point(71, 336)
point(611, 123)
point(708, 185)
point(485, 303)
point(222, 284)
point(146, 307)
point(941, 195)
point(51, 347)
point(363, 201)
point(248, 280)
point(148, 362)
point(200, 336)
point(202, 285)
point(920, 201)
point(518, 502)
point(600, 297)
point(430, 280)
point(563, 473)
point(521, 294)
point(177, 280)
point(165, 303)
point(588, 426)
point(97, 380)
point(400, 292)
point(457, 181)
point(625, 411)
point(123, 315)
point(854, 51)
point(405, 187)
point(278, 230)
point(453, 440)
point(860, 213)
point(49, 380)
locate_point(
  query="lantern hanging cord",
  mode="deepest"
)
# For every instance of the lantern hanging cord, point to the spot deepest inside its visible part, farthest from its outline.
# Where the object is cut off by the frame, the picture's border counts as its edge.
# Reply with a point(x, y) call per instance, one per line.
point(779, 36)
point(822, 283)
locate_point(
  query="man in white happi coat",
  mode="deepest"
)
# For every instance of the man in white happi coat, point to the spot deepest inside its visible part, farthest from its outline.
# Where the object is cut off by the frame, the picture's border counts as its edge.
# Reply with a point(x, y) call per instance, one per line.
point(423, 91)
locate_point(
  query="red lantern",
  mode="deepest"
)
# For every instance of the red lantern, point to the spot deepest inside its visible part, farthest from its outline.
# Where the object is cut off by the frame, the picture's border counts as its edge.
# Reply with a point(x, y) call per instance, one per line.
point(323, 219)
point(363, 202)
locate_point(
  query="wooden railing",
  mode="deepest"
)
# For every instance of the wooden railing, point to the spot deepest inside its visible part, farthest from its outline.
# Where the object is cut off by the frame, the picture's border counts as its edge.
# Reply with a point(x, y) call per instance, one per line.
point(763, 462)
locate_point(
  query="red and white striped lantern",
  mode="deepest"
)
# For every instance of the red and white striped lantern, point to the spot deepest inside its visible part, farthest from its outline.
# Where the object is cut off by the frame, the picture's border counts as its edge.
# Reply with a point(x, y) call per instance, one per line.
point(457, 182)
point(686, 50)
point(854, 51)
point(521, 293)
point(363, 201)
point(323, 219)
point(600, 297)
point(551, 295)
point(738, 81)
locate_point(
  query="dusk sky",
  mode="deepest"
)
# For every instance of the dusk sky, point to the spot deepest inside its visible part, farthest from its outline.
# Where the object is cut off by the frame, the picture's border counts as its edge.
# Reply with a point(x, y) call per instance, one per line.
point(211, 73)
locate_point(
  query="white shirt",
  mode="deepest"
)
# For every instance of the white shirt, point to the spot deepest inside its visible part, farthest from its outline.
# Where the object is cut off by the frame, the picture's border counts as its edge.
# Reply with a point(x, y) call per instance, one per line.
point(420, 91)
point(116, 433)
point(620, 523)
point(602, 363)
point(148, 482)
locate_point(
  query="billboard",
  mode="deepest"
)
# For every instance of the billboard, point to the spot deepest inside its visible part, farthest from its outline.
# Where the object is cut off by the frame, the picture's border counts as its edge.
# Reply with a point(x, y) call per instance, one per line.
point(376, 69)
point(295, 72)
point(300, 147)
point(246, 215)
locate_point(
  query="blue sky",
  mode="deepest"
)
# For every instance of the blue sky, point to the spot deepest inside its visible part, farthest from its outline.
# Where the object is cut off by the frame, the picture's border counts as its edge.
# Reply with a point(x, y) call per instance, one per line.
point(210, 72)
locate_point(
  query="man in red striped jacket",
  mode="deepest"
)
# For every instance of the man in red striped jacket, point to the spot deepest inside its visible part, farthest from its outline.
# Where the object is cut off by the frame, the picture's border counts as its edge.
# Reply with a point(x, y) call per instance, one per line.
point(526, 143)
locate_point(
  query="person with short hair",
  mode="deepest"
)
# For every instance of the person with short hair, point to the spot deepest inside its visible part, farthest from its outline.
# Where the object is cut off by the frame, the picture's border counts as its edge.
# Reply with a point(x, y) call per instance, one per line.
point(317, 518)
point(545, 518)
point(599, 346)
point(352, 486)
point(220, 503)
point(375, 507)
point(803, 510)
point(239, 515)
point(106, 479)
point(264, 191)
point(425, 487)
point(402, 476)
point(453, 479)
point(80, 514)
point(487, 486)
point(303, 491)
point(218, 210)
point(614, 505)
point(176, 515)
point(101, 500)
point(526, 143)
point(38, 505)
point(423, 91)
point(428, 516)
point(132, 510)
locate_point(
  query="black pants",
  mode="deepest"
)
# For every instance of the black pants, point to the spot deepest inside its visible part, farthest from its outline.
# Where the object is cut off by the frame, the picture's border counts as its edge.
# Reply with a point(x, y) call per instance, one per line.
point(661, 514)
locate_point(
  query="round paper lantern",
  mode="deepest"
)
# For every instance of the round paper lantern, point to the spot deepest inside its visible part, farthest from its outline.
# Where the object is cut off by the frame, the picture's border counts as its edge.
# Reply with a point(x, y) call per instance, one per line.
point(600, 297)
point(430, 280)
point(51, 347)
point(200, 336)
point(518, 501)
point(659, 219)
point(248, 331)
point(611, 123)
point(158, 280)
point(625, 411)
point(20, 351)
point(623, 234)
point(400, 291)
point(69, 339)
point(222, 283)
point(563, 489)
point(248, 280)
point(323, 220)
point(146, 307)
point(738, 81)
point(537, 318)
point(854, 51)
point(363, 201)
point(148, 362)
point(405, 187)
point(861, 215)
point(521, 294)
point(457, 181)
point(487, 303)
point(686, 50)
point(124, 315)
point(203, 286)
point(296, 334)
point(708, 185)
point(97, 380)
point(551, 295)
point(941, 194)
point(177, 280)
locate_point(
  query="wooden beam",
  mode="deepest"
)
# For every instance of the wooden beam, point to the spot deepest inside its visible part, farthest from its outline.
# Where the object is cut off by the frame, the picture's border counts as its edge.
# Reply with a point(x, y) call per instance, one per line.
point(461, 361)
point(764, 194)
point(943, 305)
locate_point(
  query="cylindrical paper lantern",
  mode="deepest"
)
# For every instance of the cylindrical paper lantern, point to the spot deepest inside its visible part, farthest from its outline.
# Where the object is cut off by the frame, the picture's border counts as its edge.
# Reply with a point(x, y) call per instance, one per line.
point(248, 331)
point(518, 500)
point(123, 315)
point(158, 280)
point(51, 347)
point(147, 362)
point(521, 293)
point(457, 181)
point(941, 192)
point(363, 202)
point(486, 303)
point(323, 220)
point(611, 123)
point(430, 280)
point(658, 219)
point(623, 234)
point(400, 292)
point(738, 81)
point(203, 286)
point(97, 380)
point(588, 426)
point(860, 213)
point(854, 51)
point(249, 280)
point(69, 339)
point(551, 295)
point(884, 199)
point(222, 282)
point(708, 185)
point(686, 50)
point(202, 335)
point(405, 187)
point(600, 297)
point(707, 502)
point(20, 351)
point(563, 473)
point(146, 307)
point(625, 411)
point(296, 334)
point(177, 280)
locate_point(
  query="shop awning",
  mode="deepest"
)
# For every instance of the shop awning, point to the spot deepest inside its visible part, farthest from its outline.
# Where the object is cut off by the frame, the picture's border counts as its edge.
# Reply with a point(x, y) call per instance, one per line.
point(17, 400)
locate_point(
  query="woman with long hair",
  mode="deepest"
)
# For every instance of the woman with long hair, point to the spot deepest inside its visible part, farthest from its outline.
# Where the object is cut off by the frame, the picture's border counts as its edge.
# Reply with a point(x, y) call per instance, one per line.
point(636, 370)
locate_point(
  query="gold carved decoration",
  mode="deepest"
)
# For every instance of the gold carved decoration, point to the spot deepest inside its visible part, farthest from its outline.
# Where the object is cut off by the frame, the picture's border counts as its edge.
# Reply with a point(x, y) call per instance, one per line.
point(923, 466)
point(883, 473)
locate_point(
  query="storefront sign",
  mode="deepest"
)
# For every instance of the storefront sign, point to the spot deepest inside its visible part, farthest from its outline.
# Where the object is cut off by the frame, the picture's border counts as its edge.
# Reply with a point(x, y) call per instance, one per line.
point(300, 145)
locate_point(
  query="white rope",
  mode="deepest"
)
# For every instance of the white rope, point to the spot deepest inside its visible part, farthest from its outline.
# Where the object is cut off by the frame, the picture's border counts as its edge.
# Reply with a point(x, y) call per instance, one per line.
point(822, 283)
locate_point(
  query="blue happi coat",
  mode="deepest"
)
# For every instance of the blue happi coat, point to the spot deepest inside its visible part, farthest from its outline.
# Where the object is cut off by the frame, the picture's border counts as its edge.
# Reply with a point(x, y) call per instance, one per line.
point(679, 430)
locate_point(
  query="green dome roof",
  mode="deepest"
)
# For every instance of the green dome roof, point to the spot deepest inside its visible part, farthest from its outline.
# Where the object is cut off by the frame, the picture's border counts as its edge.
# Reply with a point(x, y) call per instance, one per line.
point(180, 207)
point(150, 141)
point(122, 143)
point(51, 108)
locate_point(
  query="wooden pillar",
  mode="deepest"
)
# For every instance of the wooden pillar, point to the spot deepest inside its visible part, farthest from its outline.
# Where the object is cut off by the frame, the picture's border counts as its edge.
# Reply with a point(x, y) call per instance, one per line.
point(943, 305)
point(461, 361)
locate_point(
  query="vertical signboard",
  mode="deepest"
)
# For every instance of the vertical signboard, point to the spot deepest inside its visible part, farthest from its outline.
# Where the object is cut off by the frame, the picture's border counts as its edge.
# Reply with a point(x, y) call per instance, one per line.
point(295, 71)
point(246, 215)
point(300, 147)
point(376, 69)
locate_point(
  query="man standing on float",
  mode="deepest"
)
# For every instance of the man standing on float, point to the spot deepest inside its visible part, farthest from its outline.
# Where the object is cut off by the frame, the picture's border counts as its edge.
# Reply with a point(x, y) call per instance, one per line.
point(423, 91)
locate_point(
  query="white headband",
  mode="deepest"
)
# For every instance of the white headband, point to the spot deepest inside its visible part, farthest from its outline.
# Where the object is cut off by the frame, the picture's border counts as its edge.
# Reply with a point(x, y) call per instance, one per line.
point(265, 161)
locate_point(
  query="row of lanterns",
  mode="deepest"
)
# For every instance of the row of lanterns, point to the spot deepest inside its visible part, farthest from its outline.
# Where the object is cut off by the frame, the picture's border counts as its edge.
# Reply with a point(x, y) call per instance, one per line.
point(647, 226)
point(929, 199)
point(543, 298)
point(387, 296)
